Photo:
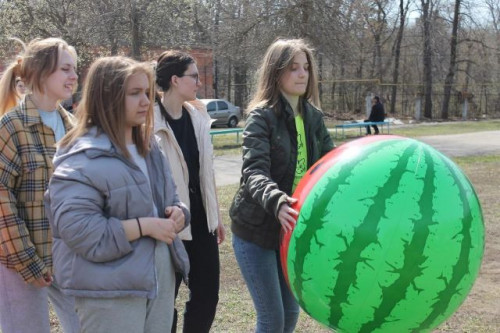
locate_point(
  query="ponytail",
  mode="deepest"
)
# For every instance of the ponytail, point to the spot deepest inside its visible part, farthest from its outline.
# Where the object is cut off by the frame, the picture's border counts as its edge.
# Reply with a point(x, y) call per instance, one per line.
point(39, 60)
point(8, 94)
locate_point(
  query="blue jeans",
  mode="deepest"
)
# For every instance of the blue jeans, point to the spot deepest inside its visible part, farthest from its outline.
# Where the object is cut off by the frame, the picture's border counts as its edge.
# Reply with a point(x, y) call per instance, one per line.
point(277, 310)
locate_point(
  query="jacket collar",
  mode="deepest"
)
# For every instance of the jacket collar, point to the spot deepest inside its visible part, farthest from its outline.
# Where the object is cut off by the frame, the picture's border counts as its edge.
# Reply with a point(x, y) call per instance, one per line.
point(288, 109)
point(196, 109)
point(93, 143)
point(32, 116)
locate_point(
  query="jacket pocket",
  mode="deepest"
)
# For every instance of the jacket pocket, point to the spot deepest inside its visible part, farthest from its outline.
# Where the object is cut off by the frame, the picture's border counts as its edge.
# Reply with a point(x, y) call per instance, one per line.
point(180, 258)
point(34, 178)
point(133, 272)
point(247, 211)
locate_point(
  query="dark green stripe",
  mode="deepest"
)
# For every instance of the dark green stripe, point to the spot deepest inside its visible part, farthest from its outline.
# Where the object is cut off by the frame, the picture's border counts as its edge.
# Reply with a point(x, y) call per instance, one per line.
point(414, 258)
point(461, 267)
point(350, 258)
point(307, 237)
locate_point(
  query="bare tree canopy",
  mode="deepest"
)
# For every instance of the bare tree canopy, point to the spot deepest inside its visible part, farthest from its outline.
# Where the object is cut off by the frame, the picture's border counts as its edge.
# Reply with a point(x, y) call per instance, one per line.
point(439, 52)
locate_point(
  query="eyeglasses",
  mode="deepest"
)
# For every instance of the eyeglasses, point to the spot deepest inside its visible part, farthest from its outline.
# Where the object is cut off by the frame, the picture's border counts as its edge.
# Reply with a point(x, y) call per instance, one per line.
point(195, 76)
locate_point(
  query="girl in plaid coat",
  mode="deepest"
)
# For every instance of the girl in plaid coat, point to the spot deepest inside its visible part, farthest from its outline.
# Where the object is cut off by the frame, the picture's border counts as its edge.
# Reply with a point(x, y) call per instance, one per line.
point(28, 133)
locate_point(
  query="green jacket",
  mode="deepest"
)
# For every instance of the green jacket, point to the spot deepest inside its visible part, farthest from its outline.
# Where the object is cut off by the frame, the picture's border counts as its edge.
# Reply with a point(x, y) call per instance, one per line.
point(269, 160)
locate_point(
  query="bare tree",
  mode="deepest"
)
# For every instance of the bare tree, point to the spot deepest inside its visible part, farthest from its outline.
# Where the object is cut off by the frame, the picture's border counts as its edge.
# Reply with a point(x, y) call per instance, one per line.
point(453, 60)
point(403, 12)
point(356, 42)
point(427, 9)
point(494, 10)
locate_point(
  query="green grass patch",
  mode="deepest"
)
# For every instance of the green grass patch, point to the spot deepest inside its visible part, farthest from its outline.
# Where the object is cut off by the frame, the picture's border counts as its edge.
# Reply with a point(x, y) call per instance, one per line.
point(425, 129)
point(228, 144)
point(468, 160)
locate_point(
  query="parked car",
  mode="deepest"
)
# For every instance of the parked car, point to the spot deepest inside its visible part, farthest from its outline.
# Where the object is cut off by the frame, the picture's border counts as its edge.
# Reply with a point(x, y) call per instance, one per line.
point(223, 112)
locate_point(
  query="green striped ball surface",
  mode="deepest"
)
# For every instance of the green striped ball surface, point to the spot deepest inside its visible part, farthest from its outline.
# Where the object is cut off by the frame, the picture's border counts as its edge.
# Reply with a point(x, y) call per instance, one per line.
point(389, 238)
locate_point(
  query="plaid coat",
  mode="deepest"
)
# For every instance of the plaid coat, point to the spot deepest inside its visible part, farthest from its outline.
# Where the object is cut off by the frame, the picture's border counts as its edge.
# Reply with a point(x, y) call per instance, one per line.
point(27, 147)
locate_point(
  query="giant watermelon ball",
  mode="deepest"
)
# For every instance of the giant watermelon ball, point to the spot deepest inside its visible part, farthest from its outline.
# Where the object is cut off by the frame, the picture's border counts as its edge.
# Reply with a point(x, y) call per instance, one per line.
point(389, 237)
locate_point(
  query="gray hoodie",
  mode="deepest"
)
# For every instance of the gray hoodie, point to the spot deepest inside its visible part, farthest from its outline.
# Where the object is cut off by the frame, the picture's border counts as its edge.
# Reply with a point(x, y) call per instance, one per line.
point(92, 189)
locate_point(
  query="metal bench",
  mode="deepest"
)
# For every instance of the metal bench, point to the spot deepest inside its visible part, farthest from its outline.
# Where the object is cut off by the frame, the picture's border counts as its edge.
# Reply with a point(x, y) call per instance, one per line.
point(227, 131)
point(361, 126)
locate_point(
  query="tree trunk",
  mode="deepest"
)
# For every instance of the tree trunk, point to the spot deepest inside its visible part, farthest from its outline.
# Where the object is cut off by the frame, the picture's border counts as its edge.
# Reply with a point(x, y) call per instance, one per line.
point(403, 10)
point(453, 61)
point(427, 61)
point(135, 52)
point(306, 8)
point(320, 75)
point(216, 47)
point(240, 79)
point(229, 80)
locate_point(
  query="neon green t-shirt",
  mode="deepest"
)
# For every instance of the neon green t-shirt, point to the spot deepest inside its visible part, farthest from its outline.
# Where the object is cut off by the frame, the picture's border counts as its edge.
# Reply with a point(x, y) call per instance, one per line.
point(301, 167)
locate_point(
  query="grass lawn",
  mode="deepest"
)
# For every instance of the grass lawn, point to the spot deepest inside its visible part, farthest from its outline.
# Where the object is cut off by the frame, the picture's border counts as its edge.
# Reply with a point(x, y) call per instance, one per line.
point(480, 313)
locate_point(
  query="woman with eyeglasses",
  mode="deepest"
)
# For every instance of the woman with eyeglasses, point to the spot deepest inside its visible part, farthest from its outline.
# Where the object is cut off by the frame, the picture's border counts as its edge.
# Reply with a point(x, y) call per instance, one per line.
point(183, 126)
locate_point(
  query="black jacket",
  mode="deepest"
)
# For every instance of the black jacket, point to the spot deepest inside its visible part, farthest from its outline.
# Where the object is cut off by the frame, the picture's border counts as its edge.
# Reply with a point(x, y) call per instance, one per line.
point(269, 161)
point(377, 113)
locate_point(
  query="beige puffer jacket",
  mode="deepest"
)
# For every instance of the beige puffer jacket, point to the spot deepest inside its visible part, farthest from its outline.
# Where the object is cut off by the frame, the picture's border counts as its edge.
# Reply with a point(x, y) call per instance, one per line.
point(166, 139)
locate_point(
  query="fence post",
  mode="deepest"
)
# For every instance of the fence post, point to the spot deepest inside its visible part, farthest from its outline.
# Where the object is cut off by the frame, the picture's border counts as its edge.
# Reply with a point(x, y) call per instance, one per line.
point(418, 107)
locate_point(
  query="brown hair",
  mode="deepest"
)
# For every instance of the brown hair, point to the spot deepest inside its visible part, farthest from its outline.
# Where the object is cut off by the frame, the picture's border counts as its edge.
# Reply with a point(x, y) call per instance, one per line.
point(170, 63)
point(278, 59)
point(103, 103)
point(39, 60)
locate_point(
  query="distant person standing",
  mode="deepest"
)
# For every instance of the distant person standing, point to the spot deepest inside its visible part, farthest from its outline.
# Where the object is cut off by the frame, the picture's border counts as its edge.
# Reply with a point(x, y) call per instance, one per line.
point(376, 115)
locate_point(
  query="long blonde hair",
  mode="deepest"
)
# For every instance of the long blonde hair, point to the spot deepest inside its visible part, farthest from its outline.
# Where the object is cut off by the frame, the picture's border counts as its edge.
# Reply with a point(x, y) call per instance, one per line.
point(38, 61)
point(103, 103)
point(279, 58)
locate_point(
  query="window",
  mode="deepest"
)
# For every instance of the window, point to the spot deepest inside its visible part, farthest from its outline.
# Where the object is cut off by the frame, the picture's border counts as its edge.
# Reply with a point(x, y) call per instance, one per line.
point(211, 107)
point(222, 105)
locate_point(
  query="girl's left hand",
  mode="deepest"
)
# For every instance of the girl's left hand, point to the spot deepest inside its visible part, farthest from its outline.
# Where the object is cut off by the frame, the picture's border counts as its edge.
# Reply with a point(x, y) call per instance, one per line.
point(287, 216)
point(176, 214)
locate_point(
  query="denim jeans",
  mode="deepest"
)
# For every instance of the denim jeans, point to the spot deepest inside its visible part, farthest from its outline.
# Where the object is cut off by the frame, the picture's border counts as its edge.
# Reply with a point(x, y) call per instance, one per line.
point(277, 310)
point(24, 308)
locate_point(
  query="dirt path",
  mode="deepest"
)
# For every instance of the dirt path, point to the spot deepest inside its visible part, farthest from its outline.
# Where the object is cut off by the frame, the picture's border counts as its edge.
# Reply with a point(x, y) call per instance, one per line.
point(467, 144)
point(228, 167)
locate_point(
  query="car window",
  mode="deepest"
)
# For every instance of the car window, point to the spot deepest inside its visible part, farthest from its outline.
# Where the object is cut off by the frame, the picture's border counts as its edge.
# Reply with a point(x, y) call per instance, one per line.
point(211, 106)
point(222, 105)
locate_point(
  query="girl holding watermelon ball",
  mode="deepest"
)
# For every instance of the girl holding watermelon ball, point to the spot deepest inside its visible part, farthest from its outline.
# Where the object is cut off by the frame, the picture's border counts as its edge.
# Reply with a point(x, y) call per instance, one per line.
point(284, 135)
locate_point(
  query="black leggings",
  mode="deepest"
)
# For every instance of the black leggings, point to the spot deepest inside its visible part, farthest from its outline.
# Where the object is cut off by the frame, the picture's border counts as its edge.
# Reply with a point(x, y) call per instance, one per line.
point(204, 273)
point(375, 127)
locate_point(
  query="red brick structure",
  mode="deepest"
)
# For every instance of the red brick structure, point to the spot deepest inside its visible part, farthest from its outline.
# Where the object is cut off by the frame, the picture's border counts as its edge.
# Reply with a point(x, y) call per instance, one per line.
point(203, 57)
